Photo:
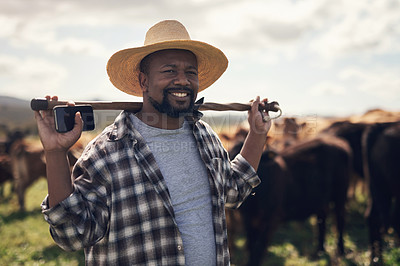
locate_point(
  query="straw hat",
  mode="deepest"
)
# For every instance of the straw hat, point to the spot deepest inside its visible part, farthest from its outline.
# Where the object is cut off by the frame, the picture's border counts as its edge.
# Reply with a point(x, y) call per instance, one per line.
point(123, 66)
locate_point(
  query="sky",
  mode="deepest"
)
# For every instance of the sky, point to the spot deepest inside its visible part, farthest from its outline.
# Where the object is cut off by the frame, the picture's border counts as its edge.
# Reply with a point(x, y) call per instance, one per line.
point(315, 57)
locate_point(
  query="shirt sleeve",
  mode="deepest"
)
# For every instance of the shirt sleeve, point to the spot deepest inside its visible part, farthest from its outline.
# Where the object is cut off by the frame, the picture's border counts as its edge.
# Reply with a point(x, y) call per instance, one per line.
point(81, 220)
point(249, 173)
point(243, 178)
point(75, 222)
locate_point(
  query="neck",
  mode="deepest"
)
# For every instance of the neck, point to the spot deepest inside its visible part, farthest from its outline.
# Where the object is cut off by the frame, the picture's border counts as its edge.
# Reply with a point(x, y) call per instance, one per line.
point(160, 120)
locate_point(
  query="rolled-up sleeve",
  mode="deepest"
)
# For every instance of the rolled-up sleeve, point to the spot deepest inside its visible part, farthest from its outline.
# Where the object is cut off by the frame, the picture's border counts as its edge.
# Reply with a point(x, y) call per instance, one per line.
point(58, 214)
point(249, 175)
point(79, 221)
point(243, 179)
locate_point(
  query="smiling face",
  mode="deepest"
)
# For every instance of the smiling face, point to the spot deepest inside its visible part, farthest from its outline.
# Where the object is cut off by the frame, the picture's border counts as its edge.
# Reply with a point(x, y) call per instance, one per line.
point(169, 81)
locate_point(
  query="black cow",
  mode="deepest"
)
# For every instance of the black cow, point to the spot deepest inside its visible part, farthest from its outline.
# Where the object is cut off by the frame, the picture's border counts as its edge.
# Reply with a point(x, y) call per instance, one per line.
point(5, 171)
point(352, 133)
point(301, 181)
point(381, 143)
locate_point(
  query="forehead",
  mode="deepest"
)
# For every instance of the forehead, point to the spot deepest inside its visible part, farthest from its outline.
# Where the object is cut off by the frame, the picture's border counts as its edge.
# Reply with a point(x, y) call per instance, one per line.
point(172, 55)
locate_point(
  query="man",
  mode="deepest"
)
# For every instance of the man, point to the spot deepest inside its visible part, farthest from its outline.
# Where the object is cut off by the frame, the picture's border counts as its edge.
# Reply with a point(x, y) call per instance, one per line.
point(152, 187)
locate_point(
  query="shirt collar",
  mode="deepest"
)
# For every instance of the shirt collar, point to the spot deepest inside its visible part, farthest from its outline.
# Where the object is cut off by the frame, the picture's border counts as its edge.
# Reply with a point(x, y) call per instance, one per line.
point(123, 125)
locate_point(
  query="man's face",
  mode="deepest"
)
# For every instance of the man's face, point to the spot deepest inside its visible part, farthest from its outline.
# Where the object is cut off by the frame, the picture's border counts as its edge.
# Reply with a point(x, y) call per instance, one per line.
point(170, 83)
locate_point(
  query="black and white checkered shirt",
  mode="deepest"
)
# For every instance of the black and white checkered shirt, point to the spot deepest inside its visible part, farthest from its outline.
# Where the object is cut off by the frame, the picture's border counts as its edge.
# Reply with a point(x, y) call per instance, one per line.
point(120, 211)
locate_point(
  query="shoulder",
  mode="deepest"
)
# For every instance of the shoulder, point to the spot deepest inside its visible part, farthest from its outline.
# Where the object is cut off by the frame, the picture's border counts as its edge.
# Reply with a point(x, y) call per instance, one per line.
point(208, 139)
point(205, 129)
point(111, 140)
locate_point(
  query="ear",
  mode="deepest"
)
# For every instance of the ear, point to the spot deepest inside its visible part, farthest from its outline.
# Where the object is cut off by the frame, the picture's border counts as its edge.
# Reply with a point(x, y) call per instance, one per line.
point(143, 81)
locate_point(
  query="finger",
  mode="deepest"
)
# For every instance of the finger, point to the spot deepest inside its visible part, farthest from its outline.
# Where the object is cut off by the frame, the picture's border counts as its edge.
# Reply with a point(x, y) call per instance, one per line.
point(46, 113)
point(78, 122)
point(255, 103)
point(264, 101)
point(38, 116)
point(71, 103)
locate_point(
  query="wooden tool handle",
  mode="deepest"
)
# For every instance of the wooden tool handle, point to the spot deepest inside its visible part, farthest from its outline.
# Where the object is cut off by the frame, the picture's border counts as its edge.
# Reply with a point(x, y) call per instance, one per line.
point(43, 104)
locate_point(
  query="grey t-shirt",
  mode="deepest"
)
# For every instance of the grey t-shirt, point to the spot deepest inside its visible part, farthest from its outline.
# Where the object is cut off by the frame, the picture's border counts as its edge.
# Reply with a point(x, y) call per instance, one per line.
point(186, 177)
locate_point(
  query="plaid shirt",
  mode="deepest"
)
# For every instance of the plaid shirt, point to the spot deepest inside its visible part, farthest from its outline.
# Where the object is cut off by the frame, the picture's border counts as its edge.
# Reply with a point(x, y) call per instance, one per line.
point(120, 211)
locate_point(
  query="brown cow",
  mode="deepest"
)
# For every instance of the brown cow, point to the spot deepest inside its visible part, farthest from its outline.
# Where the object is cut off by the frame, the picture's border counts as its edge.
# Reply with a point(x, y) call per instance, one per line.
point(300, 181)
point(22, 164)
point(5, 160)
point(287, 132)
point(27, 166)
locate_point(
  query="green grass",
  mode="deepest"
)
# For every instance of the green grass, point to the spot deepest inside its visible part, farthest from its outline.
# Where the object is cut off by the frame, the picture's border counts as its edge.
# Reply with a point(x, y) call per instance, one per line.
point(294, 243)
point(25, 238)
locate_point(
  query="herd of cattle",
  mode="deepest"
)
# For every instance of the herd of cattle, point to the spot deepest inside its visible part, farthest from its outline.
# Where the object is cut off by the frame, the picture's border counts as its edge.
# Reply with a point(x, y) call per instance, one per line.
point(304, 176)
point(301, 176)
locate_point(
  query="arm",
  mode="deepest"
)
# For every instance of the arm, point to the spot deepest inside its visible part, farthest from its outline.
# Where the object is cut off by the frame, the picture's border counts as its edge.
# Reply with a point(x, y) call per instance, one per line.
point(244, 176)
point(254, 144)
point(55, 147)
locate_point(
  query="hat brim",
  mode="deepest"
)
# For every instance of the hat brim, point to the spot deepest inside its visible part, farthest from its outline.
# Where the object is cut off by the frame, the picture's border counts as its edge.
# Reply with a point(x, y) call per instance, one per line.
point(123, 66)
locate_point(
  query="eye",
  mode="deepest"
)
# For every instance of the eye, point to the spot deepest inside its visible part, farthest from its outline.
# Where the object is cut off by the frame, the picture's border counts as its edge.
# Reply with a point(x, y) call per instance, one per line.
point(191, 72)
point(168, 71)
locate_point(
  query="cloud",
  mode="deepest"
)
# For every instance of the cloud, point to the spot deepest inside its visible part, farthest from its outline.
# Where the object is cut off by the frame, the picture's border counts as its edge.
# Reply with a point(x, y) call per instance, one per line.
point(327, 88)
point(267, 22)
point(265, 40)
point(369, 27)
point(325, 29)
point(40, 35)
point(380, 82)
point(287, 27)
point(28, 77)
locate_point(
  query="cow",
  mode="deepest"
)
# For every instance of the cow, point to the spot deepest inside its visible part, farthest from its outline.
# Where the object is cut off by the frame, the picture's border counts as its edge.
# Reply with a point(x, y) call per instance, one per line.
point(27, 166)
point(5, 159)
point(381, 150)
point(352, 133)
point(5, 171)
point(300, 181)
point(291, 128)
point(287, 132)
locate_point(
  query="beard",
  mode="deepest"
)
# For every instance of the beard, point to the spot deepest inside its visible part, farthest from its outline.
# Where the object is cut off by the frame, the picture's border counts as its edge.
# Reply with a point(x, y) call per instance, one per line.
point(165, 107)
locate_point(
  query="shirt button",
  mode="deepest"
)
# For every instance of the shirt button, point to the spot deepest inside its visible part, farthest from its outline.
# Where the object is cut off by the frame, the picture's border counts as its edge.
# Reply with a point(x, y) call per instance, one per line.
point(179, 247)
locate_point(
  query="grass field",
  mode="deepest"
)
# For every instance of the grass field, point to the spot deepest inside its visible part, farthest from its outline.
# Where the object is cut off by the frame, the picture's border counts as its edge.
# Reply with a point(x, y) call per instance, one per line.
point(25, 238)
point(294, 243)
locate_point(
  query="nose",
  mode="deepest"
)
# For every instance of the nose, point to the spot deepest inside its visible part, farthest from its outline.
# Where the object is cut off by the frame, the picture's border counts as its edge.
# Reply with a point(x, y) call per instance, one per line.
point(181, 79)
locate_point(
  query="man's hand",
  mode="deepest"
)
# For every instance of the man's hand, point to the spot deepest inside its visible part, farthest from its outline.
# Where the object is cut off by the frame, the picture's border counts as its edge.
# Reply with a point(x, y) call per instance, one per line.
point(259, 126)
point(50, 138)
point(259, 122)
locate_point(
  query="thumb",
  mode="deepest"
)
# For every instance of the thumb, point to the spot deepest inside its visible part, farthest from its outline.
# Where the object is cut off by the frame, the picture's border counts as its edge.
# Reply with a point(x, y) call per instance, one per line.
point(78, 122)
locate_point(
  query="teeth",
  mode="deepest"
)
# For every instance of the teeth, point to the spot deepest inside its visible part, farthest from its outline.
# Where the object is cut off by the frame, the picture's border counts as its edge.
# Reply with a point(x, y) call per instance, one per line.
point(180, 94)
